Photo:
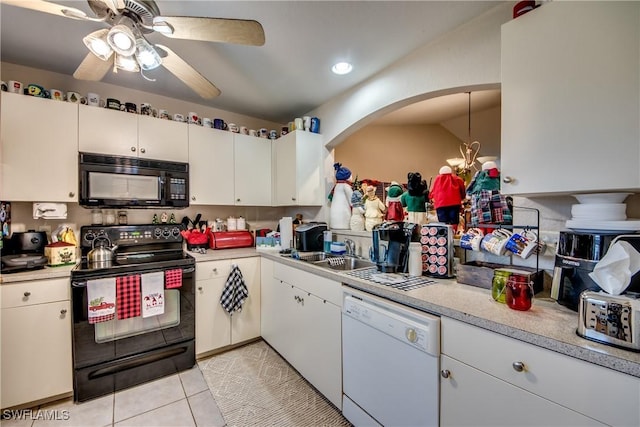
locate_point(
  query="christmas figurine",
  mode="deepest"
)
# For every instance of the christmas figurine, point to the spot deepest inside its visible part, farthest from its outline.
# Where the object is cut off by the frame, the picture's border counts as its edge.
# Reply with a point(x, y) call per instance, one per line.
point(357, 211)
point(373, 208)
point(447, 193)
point(415, 198)
point(340, 197)
point(395, 212)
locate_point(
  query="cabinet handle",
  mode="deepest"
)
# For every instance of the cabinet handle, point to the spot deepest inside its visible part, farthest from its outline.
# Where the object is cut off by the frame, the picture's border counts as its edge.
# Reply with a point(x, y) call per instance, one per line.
point(293, 198)
point(200, 288)
point(445, 373)
point(142, 150)
point(237, 200)
point(133, 149)
point(27, 294)
point(72, 194)
point(193, 198)
point(302, 301)
point(518, 366)
point(215, 270)
point(63, 311)
point(507, 179)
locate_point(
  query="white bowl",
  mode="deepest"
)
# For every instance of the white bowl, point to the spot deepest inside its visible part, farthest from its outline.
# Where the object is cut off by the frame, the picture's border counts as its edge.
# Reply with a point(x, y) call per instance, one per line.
point(602, 197)
point(600, 211)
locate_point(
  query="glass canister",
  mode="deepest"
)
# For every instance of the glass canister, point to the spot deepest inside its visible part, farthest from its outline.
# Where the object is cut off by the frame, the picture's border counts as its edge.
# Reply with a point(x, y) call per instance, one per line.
point(500, 278)
point(519, 292)
point(96, 217)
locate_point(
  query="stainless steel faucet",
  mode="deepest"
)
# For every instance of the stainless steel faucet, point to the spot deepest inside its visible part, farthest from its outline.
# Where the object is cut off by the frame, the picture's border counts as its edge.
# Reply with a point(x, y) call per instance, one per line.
point(350, 246)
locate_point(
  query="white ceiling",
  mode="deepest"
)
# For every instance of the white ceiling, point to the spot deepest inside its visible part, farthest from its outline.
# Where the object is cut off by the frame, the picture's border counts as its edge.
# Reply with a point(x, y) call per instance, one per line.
point(289, 75)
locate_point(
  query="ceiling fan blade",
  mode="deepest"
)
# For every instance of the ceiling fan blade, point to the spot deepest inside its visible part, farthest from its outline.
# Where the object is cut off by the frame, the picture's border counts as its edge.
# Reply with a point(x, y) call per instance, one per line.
point(92, 68)
point(47, 7)
point(185, 72)
point(238, 31)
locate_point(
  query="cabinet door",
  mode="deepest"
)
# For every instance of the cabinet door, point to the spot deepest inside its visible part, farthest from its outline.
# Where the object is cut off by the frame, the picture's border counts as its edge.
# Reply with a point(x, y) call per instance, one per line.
point(284, 171)
point(39, 149)
point(213, 329)
point(245, 324)
point(276, 311)
point(211, 166)
point(107, 131)
point(252, 173)
point(571, 98)
point(309, 168)
point(163, 139)
point(36, 352)
point(469, 397)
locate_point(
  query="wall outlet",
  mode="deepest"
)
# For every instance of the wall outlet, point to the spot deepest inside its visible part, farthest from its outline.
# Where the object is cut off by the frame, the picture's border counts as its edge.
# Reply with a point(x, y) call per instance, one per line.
point(46, 228)
point(550, 238)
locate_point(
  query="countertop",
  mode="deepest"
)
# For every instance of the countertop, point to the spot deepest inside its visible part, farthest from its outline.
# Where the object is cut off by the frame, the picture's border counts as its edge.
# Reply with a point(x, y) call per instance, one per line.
point(547, 324)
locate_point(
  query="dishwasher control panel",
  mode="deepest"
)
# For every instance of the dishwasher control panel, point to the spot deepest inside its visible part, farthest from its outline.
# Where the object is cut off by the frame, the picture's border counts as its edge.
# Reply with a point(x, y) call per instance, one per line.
point(421, 331)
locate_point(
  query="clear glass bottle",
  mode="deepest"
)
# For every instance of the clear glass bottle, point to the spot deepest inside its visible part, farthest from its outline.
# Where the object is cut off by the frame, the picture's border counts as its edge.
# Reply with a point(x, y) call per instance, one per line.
point(109, 217)
point(498, 285)
point(122, 217)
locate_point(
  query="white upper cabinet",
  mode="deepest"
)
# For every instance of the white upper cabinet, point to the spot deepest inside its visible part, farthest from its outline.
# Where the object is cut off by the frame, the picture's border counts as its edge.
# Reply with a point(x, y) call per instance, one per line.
point(571, 98)
point(106, 131)
point(211, 166)
point(39, 149)
point(297, 169)
point(252, 170)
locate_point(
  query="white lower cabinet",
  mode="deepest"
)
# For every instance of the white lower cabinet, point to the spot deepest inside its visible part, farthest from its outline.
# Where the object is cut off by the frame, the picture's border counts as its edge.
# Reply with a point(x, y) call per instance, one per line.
point(215, 328)
point(491, 379)
point(301, 319)
point(36, 341)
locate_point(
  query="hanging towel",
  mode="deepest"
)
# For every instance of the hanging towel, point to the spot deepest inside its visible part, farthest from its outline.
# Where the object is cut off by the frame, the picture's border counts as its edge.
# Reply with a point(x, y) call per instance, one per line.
point(101, 298)
point(234, 292)
point(173, 278)
point(152, 294)
point(128, 294)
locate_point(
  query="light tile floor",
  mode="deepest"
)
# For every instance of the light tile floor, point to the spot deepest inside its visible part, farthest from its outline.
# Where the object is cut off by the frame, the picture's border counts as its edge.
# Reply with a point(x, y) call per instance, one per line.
point(182, 399)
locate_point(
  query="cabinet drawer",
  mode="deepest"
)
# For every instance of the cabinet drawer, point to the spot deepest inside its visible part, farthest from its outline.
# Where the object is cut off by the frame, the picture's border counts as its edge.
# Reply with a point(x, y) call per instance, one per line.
point(321, 287)
point(213, 269)
point(35, 292)
point(603, 394)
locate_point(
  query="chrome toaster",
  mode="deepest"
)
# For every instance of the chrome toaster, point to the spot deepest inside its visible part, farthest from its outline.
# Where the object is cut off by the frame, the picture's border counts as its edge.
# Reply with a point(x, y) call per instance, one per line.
point(610, 319)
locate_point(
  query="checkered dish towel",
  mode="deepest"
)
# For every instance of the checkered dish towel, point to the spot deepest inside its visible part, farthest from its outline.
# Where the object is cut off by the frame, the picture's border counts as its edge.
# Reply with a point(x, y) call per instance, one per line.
point(234, 292)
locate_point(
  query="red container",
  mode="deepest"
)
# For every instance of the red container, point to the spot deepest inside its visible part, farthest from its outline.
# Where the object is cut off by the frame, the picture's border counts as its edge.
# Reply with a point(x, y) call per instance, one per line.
point(519, 292)
point(231, 239)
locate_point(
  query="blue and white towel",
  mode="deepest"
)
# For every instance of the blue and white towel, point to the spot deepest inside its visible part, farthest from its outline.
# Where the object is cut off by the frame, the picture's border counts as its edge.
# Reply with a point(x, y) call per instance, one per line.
point(234, 292)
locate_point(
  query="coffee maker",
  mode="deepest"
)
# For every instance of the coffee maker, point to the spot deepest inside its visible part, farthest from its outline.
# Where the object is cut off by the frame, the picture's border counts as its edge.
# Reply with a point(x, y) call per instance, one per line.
point(390, 245)
point(576, 256)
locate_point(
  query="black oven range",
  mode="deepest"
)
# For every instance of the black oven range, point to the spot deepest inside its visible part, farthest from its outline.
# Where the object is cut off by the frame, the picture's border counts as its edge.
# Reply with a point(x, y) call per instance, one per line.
point(134, 316)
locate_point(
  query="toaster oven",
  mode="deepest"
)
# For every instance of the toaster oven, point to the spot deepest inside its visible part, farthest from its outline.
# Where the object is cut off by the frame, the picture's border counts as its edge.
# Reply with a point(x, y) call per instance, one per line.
point(610, 319)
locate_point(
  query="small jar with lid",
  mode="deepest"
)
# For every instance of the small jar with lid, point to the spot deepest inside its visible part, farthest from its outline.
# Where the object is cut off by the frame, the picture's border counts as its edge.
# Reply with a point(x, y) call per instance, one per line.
point(109, 217)
point(519, 292)
point(96, 217)
point(498, 284)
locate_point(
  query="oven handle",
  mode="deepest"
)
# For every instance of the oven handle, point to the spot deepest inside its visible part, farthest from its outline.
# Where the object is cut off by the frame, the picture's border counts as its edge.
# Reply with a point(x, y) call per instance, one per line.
point(83, 283)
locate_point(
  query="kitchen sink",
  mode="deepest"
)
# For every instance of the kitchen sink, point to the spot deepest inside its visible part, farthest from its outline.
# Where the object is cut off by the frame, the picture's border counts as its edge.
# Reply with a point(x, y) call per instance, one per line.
point(344, 263)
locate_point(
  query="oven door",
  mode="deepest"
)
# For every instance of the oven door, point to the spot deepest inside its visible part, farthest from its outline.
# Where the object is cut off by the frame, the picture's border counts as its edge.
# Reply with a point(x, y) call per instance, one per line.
point(117, 339)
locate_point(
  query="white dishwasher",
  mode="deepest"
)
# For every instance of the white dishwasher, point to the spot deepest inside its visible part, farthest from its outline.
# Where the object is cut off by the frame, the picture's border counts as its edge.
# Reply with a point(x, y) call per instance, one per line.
point(390, 363)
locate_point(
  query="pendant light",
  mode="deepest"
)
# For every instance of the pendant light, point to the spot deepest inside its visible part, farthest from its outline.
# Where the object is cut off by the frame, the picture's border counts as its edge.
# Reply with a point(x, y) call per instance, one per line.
point(469, 150)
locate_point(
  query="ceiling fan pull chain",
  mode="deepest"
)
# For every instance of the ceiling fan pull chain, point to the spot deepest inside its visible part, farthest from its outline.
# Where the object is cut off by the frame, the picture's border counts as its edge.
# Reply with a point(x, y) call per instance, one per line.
point(145, 77)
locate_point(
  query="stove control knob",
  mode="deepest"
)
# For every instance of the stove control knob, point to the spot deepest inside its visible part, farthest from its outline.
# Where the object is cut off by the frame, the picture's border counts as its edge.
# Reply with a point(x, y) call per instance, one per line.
point(157, 233)
point(166, 233)
point(175, 231)
point(89, 236)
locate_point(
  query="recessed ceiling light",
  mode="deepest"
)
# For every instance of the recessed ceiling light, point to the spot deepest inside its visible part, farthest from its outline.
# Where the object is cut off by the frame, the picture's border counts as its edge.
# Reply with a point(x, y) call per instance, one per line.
point(342, 68)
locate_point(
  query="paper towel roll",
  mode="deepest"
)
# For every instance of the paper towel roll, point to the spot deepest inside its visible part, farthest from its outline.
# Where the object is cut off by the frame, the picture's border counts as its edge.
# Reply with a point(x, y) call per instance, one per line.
point(286, 232)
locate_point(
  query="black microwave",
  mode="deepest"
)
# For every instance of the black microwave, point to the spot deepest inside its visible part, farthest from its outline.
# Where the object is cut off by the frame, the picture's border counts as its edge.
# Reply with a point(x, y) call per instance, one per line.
point(132, 182)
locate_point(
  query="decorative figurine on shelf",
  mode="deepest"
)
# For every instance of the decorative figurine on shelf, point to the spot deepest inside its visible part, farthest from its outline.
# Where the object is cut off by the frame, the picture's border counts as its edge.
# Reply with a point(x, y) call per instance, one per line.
point(155, 220)
point(448, 192)
point(488, 206)
point(164, 217)
point(373, 208)
point(357, 209)
point(340, 198)
point(415, 198)
point(395, 212)
point(172, 218)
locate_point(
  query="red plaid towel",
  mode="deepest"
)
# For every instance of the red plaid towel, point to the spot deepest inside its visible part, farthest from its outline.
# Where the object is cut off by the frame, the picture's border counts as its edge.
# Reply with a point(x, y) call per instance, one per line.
point(128, 296)
point(173, 278)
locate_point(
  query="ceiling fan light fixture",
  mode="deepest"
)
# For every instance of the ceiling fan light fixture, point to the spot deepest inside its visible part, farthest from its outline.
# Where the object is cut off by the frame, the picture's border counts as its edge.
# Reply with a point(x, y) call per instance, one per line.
point(121, 39)
point(147, 56)
point(96, 42)
point(127, 63)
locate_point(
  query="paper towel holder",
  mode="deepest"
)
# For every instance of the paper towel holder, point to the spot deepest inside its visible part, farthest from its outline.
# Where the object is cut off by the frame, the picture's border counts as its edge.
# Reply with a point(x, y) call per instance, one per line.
point(50, 211)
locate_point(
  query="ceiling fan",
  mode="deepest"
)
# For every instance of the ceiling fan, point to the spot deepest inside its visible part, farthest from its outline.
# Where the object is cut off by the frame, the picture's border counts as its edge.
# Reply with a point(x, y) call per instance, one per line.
point(124, 46)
